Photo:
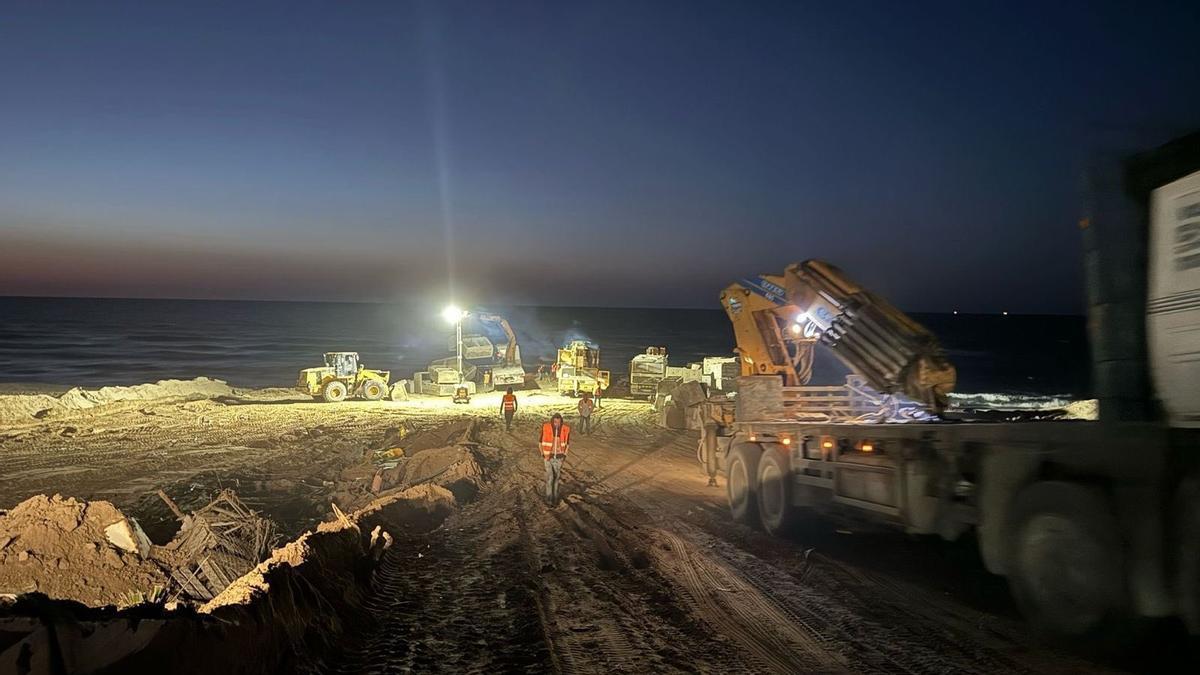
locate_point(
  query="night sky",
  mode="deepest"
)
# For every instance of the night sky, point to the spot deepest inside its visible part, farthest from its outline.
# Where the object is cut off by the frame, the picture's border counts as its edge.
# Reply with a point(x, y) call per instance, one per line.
point(607, 153)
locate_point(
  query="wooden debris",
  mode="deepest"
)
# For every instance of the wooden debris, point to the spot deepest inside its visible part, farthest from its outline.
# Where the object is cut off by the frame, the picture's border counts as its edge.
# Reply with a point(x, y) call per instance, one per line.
point(219, 543)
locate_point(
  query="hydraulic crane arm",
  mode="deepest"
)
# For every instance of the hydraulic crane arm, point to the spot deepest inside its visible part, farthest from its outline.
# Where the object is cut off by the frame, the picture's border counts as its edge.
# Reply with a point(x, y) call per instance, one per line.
point(778, 319)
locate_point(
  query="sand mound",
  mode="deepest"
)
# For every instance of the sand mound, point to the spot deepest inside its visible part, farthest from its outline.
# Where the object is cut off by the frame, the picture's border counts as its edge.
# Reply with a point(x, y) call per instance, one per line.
point(418, 508)
point(20, 409)
point(335, 548)
point(451, 467)
point(58, 547)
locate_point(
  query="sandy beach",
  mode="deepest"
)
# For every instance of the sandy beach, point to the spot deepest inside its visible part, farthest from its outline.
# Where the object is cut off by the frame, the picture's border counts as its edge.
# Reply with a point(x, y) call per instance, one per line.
point(639, 566)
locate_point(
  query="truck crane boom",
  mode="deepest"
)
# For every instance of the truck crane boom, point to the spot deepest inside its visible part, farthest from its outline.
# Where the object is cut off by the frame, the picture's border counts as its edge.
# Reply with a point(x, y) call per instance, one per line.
point(779, 319)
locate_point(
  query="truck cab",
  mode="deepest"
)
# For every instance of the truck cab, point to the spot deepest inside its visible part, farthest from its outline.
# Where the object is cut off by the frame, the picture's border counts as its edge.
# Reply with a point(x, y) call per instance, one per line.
point(646, 371)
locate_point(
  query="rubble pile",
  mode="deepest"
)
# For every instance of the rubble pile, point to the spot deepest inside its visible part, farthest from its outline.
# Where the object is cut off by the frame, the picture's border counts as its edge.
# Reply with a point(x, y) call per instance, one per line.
point(69, 549)
point(92, 553)
point(217, 544)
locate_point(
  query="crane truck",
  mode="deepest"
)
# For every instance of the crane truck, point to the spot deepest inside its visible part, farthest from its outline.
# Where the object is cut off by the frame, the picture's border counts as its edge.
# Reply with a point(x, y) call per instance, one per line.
point(1093, 523)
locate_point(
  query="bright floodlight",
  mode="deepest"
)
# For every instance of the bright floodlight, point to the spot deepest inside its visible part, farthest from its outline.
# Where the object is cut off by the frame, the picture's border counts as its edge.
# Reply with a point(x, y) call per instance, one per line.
point(453, 313)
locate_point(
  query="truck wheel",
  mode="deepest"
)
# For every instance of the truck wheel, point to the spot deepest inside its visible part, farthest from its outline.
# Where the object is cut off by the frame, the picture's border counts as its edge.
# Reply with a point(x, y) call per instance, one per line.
point(1068, 568)
point(775, 508)
point(1187, 539)
point(373, 390)
point(741, 477)
point(333, 391)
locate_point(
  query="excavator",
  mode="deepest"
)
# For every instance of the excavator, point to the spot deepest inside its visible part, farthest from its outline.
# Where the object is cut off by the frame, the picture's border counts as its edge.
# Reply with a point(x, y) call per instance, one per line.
point(485, 367)
point(509, 371)
point(779, 319)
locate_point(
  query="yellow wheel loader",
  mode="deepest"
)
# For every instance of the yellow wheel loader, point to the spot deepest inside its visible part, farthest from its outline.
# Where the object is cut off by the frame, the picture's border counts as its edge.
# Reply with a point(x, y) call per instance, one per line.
point(343, 377)
point(579, 369)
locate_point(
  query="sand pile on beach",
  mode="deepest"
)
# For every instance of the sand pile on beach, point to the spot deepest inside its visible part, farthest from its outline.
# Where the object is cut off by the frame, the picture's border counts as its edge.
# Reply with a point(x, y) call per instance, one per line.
point(26, 408)
point(440, 466)
point(70, 549)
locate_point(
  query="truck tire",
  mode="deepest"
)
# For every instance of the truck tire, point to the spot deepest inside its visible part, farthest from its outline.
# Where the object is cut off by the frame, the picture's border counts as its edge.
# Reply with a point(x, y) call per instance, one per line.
point(775, 510)
point(373, 390)
point(741, 482)
point(1187, 541)
point(333, 391)
point(1068, 565)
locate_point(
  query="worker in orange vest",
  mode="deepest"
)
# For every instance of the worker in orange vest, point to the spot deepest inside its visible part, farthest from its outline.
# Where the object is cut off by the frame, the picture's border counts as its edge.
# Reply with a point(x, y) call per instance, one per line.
point(554, 443)
point(508, 408)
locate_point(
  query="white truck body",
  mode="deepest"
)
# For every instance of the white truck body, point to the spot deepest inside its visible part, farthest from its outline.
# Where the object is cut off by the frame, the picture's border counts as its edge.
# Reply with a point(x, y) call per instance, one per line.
point(1173, 308)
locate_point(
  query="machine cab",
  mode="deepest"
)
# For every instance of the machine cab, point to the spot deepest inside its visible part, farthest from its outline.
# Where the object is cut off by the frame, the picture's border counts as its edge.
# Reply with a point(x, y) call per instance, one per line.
point(344, 364)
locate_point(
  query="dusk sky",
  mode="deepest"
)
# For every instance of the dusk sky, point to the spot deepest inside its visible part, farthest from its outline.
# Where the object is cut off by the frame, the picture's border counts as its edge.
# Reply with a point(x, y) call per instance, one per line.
point(607, 153)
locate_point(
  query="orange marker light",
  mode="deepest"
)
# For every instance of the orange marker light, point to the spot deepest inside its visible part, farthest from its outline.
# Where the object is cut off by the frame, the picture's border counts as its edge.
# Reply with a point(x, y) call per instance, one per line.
point(827, 444)
point(867, 447)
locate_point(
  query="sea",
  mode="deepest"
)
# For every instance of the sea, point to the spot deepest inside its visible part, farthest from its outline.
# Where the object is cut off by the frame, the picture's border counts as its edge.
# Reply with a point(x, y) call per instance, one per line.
point(94, 342)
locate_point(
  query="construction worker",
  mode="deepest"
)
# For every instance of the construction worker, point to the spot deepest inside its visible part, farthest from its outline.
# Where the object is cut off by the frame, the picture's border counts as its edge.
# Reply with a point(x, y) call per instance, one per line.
point(554, 443)
point(598, 392)
point(508, 408)
point(585, 414)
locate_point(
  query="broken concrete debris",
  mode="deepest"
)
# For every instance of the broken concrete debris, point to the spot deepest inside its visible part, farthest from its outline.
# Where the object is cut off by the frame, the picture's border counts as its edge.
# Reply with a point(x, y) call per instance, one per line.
point(128, 536)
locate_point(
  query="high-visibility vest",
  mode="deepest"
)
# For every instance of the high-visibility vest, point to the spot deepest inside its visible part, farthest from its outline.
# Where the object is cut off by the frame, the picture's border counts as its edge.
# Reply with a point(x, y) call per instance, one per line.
point(508, 403)
point(547, 443)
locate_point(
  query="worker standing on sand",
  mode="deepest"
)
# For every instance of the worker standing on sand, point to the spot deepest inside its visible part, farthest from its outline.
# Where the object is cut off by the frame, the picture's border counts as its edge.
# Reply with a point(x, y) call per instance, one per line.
point(585, 414)
point(598, 392)
point(508, 408)
point(554, 443)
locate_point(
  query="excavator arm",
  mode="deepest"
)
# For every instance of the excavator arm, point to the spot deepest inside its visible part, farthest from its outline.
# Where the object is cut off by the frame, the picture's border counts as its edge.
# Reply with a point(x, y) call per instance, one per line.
point(779, 319)
point(510, 350)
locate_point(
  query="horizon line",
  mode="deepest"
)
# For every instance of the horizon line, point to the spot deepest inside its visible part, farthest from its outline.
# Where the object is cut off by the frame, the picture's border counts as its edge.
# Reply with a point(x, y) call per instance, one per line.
point(950, 312)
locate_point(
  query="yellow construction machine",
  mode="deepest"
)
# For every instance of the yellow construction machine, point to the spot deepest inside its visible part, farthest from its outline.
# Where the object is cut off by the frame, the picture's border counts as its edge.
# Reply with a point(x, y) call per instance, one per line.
point(578, 369)
point(778, 319)
point(343, 377)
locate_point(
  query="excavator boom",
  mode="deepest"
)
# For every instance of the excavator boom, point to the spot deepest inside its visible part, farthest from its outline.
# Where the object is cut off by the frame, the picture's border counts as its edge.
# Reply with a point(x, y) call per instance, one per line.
point(778, 319)
point(510, 349)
